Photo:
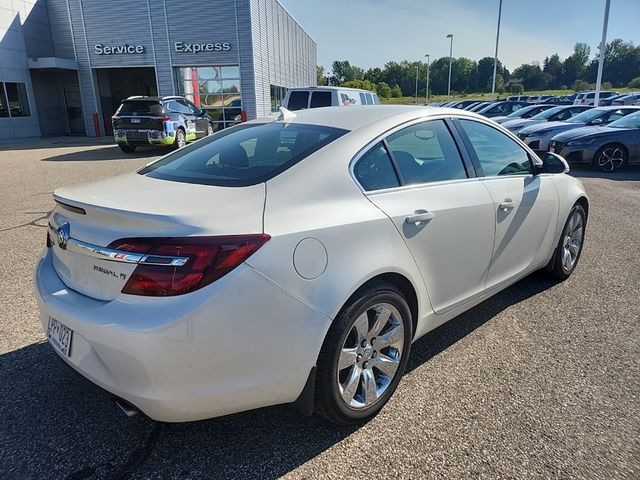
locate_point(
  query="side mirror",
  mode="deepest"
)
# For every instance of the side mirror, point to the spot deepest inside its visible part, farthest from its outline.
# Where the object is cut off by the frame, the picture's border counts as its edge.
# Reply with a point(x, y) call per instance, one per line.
point(553, 163)
point(597, 121)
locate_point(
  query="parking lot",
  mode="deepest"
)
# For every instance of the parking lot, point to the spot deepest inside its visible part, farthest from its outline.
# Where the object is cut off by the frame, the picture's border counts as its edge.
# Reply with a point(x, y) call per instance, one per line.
point(541, 381)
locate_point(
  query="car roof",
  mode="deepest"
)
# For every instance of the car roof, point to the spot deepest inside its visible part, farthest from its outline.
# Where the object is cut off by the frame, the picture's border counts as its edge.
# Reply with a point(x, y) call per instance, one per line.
point(153, 98)
point(354, 117)
point(323, 87)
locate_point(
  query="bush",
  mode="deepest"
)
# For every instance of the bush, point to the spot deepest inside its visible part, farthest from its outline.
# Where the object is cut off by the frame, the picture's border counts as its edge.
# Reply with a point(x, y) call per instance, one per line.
point(383, 90)
point(581, 85)
point(635, 83)
point(396, 91)
point(607, 86)
point(516, 88)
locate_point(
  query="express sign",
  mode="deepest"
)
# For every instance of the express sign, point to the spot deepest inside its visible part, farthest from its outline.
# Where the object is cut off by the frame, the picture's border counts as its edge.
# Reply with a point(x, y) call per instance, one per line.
point(182, 47)
point(100, 49)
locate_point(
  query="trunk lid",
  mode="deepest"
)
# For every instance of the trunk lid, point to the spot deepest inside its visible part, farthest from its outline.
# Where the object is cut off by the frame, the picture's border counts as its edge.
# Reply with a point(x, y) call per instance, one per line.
point(132, 205)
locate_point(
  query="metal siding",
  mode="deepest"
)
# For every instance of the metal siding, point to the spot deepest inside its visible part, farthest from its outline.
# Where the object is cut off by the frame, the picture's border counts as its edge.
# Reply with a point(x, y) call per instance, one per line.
point(60, 28)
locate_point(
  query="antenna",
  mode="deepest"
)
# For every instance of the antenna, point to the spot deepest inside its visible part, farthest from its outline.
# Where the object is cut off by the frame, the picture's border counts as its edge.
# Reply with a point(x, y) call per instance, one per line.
point(286, 115)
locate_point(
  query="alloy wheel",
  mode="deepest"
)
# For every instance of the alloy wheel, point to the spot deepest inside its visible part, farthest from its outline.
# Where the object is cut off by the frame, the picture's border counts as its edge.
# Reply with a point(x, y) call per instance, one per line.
point(611, 158)
point(572, 241)
point(370, 356)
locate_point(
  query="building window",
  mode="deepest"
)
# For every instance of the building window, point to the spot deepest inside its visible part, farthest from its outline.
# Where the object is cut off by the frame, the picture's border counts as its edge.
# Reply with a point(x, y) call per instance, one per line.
point(277, 97)
point(215, 89)
point(13, 100)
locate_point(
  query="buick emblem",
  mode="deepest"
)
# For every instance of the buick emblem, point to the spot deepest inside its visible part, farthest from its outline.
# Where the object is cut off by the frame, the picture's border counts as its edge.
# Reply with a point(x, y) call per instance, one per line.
point(63, 235)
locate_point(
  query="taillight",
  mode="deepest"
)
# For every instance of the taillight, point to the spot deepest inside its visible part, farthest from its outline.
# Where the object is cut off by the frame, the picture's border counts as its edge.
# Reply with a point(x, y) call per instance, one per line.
point(209, 259)
point(166, 118)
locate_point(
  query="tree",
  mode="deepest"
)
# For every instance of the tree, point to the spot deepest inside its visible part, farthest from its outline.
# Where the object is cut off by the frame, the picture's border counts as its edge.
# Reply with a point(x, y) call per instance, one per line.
point(374, 75)
point(574, 66)
point(516, 88)
point(383, 90)
point(343, 71)
point(396, 92)
point(552, 66)
point(485, 73)
point(361, 84)
point(531, 77)
point(320, 77)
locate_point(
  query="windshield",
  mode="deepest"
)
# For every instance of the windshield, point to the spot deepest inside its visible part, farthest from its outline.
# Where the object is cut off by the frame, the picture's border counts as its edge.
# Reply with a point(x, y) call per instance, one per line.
point(519, 113)
point(243, 155)
point(548, 113)
point(586, 116)
point(630, 121)
point(140, 107)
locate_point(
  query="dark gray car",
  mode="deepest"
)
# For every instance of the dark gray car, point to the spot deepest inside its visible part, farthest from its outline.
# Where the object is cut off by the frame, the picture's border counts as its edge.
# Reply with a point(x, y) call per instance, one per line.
point(606, 148)
point(537, 137)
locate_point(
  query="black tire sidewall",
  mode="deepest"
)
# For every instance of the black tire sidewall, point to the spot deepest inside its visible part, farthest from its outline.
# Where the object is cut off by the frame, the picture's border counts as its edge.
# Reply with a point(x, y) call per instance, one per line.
point(334, 406)
point(177, 142)
point(558, 269)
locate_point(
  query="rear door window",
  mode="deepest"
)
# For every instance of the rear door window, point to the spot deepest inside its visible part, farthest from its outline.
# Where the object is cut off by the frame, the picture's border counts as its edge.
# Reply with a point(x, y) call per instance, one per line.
point(369, 99)
point(298, 100)
point(243, 155)
point(320, 99)
point(425, 153)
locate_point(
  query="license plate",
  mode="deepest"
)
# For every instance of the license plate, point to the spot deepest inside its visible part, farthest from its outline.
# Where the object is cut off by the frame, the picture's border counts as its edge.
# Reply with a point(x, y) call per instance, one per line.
point(59, 336)
point(135, 120)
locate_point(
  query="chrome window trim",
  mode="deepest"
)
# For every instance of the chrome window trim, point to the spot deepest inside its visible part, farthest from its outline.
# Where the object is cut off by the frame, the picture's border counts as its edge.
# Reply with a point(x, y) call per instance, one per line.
point(391, 131)
point(112, 255)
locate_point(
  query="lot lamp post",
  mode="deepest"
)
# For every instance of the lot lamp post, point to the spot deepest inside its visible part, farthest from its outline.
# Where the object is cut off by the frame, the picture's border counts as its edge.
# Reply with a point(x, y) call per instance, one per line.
point(427, 94)
point(450, 60)
point(417, 74)
point(495, 58)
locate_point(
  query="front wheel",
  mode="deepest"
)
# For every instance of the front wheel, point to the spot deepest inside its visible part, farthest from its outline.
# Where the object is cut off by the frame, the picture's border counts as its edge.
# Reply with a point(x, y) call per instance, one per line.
point(364, 355)
point(610, 158)
point(570, 245)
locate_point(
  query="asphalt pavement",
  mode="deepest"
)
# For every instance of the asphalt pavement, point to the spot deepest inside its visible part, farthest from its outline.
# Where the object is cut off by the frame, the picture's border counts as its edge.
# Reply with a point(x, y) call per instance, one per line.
point(541, 381)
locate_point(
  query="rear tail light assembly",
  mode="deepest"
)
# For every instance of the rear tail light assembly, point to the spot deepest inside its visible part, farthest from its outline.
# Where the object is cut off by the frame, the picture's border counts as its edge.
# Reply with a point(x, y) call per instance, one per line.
point(209, 258)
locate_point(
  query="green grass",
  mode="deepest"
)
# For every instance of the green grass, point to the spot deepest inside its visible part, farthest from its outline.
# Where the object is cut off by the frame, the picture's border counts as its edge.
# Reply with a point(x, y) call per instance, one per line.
point(481, 96)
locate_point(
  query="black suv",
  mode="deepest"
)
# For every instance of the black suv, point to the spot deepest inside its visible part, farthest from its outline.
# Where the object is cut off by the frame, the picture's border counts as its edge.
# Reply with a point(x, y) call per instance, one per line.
point(171, 121)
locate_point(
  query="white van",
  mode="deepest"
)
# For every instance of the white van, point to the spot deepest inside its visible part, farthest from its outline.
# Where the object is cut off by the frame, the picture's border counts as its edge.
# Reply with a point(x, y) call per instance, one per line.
point(300, 98)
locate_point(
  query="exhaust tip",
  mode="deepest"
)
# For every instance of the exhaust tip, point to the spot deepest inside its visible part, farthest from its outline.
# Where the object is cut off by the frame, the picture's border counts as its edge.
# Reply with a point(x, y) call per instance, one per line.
point(128, 409)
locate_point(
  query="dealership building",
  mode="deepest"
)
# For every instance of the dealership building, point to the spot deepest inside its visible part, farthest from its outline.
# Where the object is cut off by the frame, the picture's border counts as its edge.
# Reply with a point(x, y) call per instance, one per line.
point(65, 65)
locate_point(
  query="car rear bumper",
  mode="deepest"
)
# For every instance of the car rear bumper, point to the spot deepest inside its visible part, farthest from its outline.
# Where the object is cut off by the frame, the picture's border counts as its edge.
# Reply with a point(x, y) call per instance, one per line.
point(142, 137)
point(238, 344)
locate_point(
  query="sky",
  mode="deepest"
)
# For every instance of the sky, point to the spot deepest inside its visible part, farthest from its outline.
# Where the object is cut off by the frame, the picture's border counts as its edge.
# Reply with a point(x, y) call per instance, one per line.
point(370, 33)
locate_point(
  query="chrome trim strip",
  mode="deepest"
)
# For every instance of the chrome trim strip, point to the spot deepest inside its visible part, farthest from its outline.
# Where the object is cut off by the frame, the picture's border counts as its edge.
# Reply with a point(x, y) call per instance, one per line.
point(112, 255)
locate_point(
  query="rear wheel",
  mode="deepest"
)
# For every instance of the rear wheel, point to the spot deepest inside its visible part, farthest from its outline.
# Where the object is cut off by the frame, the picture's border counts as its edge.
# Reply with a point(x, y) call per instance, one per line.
point(569, 247)
point(610, 158)
point(180, 140)
point(127, 148)
point(364, 355)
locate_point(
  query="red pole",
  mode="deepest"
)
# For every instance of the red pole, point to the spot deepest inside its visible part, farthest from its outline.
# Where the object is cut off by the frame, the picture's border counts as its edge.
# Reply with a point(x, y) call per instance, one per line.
point(96, 123)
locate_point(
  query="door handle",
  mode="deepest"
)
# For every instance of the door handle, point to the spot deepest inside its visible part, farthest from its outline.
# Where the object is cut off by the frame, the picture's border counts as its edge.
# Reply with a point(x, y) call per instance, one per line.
point(419, 216)
point(507, 205)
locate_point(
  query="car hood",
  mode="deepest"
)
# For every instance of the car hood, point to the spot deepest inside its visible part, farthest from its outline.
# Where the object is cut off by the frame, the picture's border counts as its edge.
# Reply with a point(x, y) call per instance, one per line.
point(520, 123)
point(553, 126)
point(503, 118)
point(582, 132)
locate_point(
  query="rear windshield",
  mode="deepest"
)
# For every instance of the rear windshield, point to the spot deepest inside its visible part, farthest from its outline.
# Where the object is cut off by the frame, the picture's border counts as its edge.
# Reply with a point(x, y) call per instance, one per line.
point(298, 100)
point(243, 155)
point(140, 107)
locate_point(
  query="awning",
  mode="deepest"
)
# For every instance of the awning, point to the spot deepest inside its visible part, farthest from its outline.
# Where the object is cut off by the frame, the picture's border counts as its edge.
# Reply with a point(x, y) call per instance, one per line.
point(53, 63)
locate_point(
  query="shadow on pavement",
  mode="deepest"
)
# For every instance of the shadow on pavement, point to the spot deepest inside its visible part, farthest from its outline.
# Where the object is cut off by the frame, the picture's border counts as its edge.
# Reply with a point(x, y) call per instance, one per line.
point(629, 173)
point(111, 152)
point(57, 425)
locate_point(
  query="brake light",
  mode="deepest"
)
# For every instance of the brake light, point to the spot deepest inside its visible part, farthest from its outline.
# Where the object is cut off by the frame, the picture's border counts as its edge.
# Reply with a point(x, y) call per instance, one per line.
point(210, 258)
point(166, 118)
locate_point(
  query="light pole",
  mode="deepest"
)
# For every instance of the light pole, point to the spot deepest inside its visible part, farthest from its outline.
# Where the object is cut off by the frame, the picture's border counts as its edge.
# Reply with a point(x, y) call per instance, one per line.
point(495, 58)
point(417, 70)
point(427, 95)
point(603, 45)
point(450, 59)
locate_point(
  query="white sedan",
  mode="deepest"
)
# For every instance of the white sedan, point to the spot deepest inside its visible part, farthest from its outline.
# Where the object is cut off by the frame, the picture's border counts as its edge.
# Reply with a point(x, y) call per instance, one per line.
point(296, 259)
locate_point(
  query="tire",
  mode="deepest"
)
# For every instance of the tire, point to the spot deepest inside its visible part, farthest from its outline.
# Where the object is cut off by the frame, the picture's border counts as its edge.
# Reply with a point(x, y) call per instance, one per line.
point(181, 139)
point(611, 157)
point(352, 356)
point(561, 267)
point(209, 129)
point(127, 148)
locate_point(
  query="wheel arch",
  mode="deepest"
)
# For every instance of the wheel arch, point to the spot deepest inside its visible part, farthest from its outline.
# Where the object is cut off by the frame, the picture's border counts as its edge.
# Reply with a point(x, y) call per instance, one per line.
point(402, 283)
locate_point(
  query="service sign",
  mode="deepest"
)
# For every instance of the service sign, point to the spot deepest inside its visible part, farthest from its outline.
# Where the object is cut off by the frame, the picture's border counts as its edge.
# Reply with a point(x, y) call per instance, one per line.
point(124, 49)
